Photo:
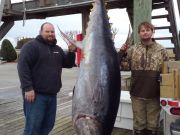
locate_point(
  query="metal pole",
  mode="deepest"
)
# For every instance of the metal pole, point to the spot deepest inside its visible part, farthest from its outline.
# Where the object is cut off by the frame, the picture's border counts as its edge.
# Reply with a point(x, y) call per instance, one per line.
point(24, 12)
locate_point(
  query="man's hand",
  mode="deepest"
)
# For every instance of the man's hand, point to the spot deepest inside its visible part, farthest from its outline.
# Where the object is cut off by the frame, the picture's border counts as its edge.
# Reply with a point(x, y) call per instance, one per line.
point(72, 48)
point(30, 96)
point(124, 47)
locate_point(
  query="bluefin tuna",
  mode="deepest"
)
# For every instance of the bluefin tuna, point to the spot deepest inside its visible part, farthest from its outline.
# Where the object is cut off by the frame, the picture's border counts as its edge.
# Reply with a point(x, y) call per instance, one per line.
point(97, 90)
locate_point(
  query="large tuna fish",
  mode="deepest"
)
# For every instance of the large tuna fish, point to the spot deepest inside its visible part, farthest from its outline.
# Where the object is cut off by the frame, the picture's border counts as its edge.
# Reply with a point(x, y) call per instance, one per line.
point(97, 90)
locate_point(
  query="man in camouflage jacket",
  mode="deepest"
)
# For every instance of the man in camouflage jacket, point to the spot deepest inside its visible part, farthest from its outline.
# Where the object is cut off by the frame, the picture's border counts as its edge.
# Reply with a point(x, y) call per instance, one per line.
point(145, 61)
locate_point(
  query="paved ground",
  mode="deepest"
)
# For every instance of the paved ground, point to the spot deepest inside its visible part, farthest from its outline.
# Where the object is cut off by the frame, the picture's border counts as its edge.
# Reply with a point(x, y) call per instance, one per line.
point(9, 82)
point(10, 85)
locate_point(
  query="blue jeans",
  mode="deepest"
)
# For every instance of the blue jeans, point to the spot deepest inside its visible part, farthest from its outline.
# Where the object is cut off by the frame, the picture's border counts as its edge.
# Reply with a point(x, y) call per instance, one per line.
point(40, 115)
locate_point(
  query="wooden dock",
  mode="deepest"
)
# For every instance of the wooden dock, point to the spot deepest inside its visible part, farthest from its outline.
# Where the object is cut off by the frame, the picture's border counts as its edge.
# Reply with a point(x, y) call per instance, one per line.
point(12, 117)
point(11, 112)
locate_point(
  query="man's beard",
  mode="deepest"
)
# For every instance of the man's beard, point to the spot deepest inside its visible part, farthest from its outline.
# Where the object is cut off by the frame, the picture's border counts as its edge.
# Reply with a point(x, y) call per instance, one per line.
point(146, 39)
point(52, 41)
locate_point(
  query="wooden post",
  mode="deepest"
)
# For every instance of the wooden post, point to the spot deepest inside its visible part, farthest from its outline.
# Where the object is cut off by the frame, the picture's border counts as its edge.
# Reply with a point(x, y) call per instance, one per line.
point(85, 20)
point(43, 3)
point(142, 12)
point(49, 2)
point(178, 2)
point(5, 27)
point(7, 4)
point(2, 2)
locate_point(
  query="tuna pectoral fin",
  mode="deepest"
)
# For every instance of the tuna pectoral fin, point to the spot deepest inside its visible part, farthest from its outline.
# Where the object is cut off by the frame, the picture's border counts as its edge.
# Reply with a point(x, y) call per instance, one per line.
point(87, 126)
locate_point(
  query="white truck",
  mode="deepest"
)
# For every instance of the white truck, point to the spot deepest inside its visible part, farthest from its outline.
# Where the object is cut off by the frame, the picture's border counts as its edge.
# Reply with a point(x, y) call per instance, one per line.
point(171, 116)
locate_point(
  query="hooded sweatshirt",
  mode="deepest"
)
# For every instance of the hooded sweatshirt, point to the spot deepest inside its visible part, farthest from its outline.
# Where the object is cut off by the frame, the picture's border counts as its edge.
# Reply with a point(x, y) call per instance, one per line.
point(40, 65)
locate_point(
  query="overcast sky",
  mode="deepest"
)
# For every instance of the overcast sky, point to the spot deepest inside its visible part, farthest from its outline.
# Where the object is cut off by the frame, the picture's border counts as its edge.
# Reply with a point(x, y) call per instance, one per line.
point(118, 18)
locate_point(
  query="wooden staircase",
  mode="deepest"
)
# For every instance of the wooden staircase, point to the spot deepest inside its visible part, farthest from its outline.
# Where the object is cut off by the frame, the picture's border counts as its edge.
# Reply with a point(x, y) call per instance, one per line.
point(40, 9)
point(5, 7)
point(6, 26)
point(171, 18)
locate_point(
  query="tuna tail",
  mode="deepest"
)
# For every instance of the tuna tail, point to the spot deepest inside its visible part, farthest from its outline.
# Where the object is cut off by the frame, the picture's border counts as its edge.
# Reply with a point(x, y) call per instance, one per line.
point(98, 18)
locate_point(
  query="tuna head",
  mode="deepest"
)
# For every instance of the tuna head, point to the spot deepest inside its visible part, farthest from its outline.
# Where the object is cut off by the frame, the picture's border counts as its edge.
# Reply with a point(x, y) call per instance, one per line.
point(97, 90)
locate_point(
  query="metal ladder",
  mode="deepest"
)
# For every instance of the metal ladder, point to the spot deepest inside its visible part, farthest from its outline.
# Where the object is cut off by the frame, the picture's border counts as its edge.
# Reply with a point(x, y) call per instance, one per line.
point(1, 8)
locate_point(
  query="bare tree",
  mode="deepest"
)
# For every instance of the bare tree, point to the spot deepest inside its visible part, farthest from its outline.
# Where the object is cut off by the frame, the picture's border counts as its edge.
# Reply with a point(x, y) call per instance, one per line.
point(72, 34)
point(114, 32)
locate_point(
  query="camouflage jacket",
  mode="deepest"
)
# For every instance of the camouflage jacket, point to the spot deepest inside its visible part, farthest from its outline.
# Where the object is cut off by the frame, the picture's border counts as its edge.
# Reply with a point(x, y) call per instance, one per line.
point(145, 64)
point(140, 57)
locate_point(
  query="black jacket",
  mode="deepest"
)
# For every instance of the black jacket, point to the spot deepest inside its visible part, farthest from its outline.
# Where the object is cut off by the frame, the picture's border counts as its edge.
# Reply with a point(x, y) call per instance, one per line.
point(40, 65)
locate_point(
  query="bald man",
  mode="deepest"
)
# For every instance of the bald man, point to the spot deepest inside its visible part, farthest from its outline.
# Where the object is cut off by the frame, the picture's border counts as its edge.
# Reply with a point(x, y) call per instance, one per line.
point(39, 67)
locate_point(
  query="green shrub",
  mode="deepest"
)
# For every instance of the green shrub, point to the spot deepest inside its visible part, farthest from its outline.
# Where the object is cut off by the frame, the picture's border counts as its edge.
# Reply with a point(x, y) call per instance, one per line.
point(8, 52)
point(21, 42)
